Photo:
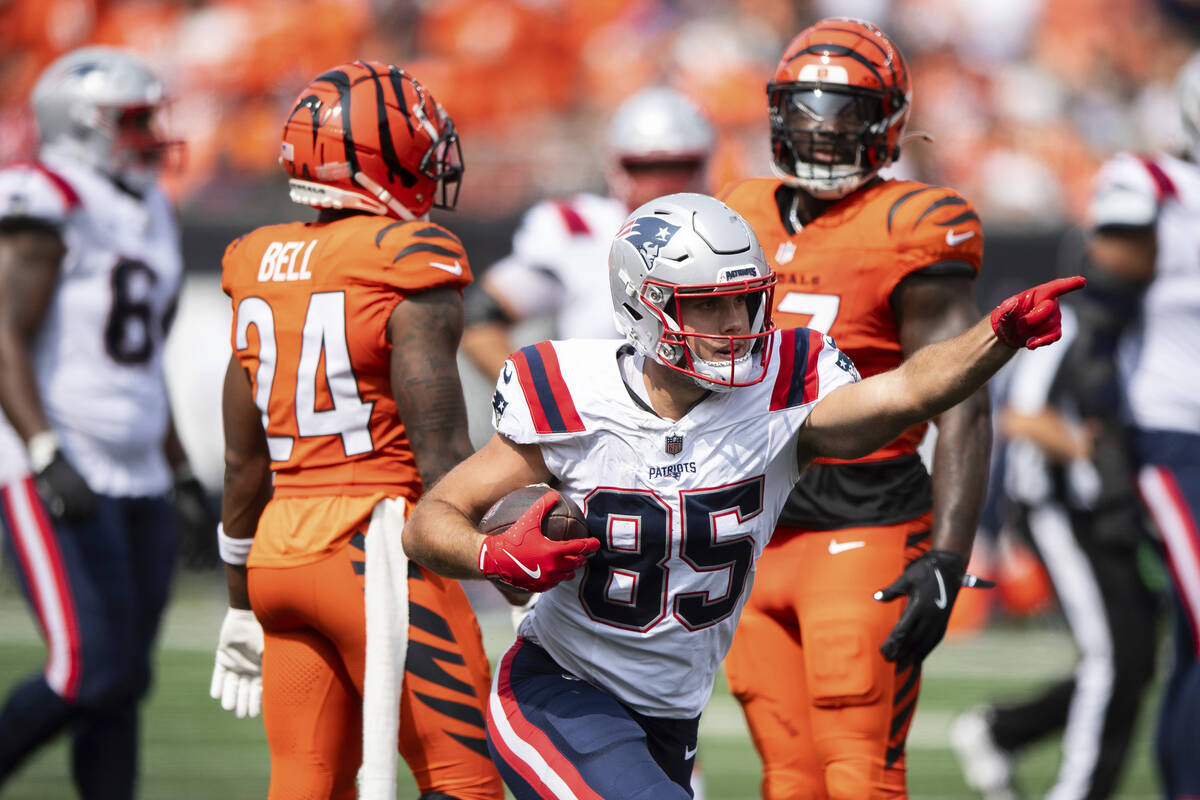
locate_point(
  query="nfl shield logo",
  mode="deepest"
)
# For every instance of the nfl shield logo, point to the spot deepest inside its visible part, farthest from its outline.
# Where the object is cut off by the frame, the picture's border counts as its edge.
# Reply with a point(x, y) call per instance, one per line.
point(674, 445)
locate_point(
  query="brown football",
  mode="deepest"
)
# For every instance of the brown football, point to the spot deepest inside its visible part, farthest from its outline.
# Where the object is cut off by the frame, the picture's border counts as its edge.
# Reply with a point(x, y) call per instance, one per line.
point(565, 520)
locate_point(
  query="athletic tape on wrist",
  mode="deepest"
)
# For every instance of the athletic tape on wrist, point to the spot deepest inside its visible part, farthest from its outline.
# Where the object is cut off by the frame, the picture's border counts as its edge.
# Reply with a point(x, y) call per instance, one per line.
point(232, 551)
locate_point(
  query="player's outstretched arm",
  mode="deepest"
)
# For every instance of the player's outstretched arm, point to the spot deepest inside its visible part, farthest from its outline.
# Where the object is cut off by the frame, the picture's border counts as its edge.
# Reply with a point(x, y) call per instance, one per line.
point(859, 418)
point(442, 532)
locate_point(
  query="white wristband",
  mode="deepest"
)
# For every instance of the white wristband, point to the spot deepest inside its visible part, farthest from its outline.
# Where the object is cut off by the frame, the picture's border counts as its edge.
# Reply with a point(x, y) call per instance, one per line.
point(42, 446)
point(232, 551)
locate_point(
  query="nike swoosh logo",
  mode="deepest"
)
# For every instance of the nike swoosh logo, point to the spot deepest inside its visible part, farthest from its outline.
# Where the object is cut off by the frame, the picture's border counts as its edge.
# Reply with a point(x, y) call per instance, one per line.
point(836, 547)
point(940, 602)
point(953, 238)
point(533, 573)
point(456, 268)
point(689, 753)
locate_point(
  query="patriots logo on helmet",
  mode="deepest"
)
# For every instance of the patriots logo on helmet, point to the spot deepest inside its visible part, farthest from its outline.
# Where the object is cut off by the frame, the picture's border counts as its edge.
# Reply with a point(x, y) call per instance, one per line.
point(648, 235)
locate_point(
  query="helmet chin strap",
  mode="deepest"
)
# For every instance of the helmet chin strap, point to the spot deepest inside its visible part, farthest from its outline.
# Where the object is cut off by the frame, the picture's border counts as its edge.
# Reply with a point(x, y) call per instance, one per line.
point(385, 197)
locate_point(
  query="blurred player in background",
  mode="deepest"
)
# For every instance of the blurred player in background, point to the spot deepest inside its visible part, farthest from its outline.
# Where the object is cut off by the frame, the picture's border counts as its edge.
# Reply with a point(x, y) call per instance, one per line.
point(90, 269)
point(343, 385)
point(1069, 488)
point(1141, 317)
point(827, 676)
point(658, 142)
point(681, 442)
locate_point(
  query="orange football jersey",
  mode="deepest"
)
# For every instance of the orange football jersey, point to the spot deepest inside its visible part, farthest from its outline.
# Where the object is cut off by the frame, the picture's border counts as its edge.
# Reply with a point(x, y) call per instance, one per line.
point(837, 273)
point(311, 303)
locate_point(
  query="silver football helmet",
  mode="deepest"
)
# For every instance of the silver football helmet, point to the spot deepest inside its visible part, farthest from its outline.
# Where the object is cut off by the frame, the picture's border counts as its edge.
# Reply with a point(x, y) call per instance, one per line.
point(1188, 90)
point(660, 124)
point(683, 246)
point(100, 106)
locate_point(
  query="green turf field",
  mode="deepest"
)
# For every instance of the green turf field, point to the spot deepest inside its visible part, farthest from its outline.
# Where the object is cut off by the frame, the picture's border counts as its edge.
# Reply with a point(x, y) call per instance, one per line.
point(193, 749)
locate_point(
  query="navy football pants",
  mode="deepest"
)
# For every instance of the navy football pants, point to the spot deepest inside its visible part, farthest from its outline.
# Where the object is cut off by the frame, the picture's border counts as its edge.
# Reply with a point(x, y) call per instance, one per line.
point(98, 589)
point(1169, 481)
point(553, 735)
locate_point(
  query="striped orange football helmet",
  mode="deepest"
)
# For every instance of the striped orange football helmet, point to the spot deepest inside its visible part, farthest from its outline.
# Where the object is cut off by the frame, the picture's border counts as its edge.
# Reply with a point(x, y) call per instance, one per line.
point(368, 136)
point(839, 101)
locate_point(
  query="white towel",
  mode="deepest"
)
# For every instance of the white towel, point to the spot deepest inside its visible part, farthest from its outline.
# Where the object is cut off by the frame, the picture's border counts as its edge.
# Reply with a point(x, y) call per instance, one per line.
point(387, 646)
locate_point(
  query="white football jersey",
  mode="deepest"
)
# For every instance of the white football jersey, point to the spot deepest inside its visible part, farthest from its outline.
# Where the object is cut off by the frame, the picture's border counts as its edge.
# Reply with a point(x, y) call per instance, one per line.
point(559, 265)
point(1160, 356)
point(682, 508)
point(98, 356)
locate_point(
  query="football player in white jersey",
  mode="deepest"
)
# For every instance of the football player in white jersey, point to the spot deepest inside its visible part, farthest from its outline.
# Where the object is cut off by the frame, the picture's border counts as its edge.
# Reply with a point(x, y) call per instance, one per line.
point(1142, 312)
point(658, 142)
point(681, 443)
point(90, 269)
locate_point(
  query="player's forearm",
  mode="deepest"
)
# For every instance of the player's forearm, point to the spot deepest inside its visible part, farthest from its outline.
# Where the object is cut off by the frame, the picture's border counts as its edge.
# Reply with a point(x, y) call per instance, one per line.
point(246, 493)
point(960, 473)
point(247, 489)
point(946, 373)
point(18, 388)
point(443, 538)
point(173, 448)
point(860, 418)
point(1060, 440)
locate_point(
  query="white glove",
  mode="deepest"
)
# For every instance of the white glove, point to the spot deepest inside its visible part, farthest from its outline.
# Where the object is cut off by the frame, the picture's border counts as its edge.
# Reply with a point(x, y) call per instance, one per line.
point(237, 676)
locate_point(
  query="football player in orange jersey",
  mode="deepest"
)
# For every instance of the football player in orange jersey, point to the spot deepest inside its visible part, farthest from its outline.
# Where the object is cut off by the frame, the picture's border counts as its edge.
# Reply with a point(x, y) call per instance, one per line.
point(343, 385)
point(885, 267)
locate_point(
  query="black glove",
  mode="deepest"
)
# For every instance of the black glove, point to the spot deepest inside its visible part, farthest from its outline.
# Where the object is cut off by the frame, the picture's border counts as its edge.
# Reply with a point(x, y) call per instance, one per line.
point(931, 583)
point(198, 546)
point(64, 491)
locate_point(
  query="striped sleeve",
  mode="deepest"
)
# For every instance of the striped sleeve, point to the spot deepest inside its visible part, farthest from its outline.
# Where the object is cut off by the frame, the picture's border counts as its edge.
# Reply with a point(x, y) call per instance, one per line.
point(532, 399)
point(810, 367)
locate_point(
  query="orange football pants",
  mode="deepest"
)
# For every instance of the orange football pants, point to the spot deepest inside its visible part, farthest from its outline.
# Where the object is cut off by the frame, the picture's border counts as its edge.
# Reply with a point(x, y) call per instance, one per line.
point(314, 627)
point(828, 715)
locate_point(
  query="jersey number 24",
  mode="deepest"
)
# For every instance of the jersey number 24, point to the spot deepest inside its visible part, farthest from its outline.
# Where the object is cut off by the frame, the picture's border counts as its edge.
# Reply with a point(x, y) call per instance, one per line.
point(324, 333)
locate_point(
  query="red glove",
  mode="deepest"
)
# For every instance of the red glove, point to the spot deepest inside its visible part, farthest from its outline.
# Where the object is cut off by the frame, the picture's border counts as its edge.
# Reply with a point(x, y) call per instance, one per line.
point(1032, 318)
point(522, 557)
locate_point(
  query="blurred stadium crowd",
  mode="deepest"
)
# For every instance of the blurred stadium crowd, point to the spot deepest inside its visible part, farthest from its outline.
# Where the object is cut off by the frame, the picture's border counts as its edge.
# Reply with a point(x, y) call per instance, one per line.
point(1023, 99)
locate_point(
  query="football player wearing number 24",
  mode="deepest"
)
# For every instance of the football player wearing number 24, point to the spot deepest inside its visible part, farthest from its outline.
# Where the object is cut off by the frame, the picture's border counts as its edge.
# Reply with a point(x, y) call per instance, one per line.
point(90, 270)
point(343, 386)
point(681, 443)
